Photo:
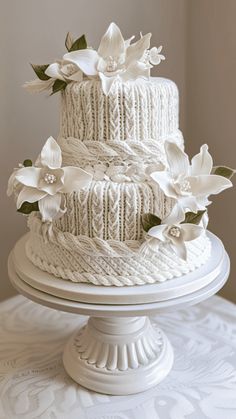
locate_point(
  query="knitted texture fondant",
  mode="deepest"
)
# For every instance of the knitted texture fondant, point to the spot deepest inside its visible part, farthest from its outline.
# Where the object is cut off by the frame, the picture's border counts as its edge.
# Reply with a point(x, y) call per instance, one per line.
point(132, 110)
point(118, 138)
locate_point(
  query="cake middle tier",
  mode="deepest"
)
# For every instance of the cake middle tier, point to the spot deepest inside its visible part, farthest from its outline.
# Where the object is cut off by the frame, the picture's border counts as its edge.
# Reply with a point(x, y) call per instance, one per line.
point(110, 210)
point(133, 110)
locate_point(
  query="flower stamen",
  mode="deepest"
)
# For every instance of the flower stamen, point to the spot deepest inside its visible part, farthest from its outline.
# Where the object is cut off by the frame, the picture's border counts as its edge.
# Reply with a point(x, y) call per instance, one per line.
point(175, 231)
point(50, 178)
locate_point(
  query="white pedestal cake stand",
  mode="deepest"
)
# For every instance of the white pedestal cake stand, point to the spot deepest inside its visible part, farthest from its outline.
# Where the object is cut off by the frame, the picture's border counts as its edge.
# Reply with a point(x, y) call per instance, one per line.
point(119, 351)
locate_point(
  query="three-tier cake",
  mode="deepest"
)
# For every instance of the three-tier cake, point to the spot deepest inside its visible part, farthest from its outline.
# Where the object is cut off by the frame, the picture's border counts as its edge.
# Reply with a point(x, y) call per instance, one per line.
point(116, 201)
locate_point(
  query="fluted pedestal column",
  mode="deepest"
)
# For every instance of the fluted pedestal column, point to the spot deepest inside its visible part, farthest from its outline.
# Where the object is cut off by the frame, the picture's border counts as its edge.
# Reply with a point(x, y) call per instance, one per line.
point(121, 355)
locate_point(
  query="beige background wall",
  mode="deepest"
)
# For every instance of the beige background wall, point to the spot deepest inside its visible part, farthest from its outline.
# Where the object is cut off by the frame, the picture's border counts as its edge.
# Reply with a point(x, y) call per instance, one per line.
point(35, 32)
point(211, 105)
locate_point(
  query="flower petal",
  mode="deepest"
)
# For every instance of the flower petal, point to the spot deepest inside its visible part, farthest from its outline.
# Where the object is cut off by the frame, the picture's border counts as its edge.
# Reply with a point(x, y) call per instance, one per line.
point(157, 232)
point(85, 59)
point(107, 83)
point(177, 215)
point(49, 206)
point(202, 163)
point(135, 51)
point(155, 56)
point(51, 154)
point(11, 183)
point(178, 160)
point(53, 71)
point(112, 43)
point(205, 185)
point(28, 176)
point(128, 41)
point(191, 231)
point(135, 70)
point(30, 195)
point(190, 203)
point(75, 179)
point(165, 182)
point(180, 249)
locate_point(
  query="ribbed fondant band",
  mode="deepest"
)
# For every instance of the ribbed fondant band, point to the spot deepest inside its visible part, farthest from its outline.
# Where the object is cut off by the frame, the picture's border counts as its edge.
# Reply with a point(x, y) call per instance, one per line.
point(137, 110)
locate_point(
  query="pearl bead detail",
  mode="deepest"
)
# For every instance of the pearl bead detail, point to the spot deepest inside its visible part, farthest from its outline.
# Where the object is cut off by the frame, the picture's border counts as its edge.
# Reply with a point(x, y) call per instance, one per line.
point(50, 178)
point(175, 231)
point(185, 186)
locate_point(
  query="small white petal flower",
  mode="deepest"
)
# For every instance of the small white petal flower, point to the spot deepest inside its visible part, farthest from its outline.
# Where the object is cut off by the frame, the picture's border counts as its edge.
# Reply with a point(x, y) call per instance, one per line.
point(46, 183)
point(176, 235)
point(155, 56)
point(189, 185)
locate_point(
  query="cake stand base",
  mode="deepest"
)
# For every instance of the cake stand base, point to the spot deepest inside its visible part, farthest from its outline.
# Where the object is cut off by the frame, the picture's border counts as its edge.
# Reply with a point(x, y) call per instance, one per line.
point(119, 351)
point(119, 355)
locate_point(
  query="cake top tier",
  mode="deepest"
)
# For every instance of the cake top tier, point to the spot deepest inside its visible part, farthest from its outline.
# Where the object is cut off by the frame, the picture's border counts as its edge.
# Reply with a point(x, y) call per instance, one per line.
point(115, 59)
point(138, 110)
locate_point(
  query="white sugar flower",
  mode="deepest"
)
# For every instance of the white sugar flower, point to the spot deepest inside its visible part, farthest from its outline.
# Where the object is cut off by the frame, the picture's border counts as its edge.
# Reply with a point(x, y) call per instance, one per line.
point(62, 70)
point(189, 185)
point(115, 58)
point(47, 182)
point(176, 235)
point(153, 56)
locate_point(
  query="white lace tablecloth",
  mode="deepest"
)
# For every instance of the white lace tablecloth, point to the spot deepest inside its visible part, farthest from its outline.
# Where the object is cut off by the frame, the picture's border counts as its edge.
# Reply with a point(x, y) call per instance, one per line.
point(33, 383)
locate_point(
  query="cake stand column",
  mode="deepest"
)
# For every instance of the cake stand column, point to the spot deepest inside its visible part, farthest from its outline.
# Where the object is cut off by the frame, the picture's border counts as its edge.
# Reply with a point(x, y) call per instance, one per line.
point(118, 355)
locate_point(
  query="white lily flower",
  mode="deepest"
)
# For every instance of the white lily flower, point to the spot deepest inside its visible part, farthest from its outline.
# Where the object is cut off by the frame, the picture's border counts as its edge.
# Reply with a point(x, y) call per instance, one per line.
point(189, 185)
point(116, 59)
point(47, 182)
point(176, 235)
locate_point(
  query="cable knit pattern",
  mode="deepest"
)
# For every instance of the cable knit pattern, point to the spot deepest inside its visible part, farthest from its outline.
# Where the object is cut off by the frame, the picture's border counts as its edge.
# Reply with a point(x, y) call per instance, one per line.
point(111, 262)
point(118, 138)
point(87, 114)
point(111, 210)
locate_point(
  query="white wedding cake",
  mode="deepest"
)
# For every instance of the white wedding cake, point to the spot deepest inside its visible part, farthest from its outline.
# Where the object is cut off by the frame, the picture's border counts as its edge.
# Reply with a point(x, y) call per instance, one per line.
point(116, 201)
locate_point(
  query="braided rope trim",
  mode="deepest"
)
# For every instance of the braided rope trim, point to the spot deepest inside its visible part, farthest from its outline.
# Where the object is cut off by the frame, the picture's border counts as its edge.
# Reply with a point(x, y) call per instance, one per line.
point(127, 149)
point(84, 244)
point(115, 280)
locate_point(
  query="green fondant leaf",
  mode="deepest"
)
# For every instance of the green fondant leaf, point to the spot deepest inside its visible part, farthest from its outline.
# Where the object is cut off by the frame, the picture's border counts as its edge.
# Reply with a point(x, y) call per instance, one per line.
point(28, 207)
point(193, 218)
point(27, 163)
point(69, 41)
point(150, 220)
point(40, 71)
point(80, 43)
point(58, 85)
point(223, 171)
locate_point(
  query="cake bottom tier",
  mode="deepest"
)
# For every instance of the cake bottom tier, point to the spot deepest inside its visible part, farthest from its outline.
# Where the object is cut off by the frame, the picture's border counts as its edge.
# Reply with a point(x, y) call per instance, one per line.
point(108, 262)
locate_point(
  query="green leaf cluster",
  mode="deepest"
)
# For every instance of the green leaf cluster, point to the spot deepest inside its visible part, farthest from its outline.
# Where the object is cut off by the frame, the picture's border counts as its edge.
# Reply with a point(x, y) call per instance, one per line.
point(27, 163)
point(39, 70)
point(150, 220)
point(58, 85)
point(28, 207)
point(223, 171)
point(76, 45)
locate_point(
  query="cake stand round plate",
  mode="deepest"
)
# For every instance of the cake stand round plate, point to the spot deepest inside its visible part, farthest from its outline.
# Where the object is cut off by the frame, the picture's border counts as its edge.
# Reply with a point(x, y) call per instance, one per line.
point(118, 351)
